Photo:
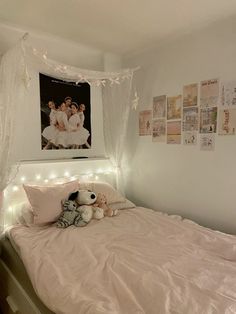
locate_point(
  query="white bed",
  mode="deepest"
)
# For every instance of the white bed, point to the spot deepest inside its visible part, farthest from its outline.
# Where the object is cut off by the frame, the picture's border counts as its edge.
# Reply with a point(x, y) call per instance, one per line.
point(138, 262)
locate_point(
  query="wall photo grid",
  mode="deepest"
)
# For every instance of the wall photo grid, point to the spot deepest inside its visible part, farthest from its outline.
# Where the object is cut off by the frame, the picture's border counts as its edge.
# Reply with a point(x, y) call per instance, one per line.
point(207, 108)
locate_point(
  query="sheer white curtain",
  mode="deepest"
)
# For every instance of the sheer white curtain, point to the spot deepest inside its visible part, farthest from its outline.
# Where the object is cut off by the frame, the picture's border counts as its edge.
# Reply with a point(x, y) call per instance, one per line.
point(116, 109)
point(14, 79)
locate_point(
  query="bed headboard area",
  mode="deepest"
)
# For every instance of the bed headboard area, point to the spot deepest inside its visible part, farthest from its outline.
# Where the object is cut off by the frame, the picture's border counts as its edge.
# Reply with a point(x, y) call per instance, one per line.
point(53, 172)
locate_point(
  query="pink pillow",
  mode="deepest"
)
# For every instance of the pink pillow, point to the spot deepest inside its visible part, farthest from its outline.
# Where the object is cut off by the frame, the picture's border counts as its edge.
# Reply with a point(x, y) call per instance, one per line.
point(46, 200)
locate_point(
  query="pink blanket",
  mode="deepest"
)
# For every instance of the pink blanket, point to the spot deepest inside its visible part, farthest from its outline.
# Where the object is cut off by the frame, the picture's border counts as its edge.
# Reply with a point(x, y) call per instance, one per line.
point(138, 262)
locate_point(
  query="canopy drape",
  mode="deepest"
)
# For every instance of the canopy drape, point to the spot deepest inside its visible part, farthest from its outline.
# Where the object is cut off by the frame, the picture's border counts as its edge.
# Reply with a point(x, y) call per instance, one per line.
point(14, 81)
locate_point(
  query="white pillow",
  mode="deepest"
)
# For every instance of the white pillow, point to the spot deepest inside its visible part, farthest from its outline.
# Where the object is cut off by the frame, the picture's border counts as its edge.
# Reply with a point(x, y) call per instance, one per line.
point(112, 195)
point(122, 205)
point(24, 213)
point(46, 200)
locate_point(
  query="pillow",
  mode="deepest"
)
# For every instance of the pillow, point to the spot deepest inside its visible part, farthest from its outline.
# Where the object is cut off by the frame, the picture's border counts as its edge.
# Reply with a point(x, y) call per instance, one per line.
point(122, 205)
point(46, 200)
point(24, 213)
point(112, 195)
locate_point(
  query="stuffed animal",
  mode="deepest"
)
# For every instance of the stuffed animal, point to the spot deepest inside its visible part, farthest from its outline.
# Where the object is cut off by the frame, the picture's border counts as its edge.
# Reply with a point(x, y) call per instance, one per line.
point(101, 202)
point(68, 215)
point(85, 199)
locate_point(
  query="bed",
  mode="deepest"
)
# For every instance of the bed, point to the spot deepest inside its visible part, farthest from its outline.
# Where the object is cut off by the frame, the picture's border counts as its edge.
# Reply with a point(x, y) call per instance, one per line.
point(140, 261)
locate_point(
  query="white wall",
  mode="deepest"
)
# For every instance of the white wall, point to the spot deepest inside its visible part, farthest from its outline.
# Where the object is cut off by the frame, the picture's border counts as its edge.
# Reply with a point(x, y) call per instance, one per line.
point(28, 141)
point(176, 178)
point(59, 49)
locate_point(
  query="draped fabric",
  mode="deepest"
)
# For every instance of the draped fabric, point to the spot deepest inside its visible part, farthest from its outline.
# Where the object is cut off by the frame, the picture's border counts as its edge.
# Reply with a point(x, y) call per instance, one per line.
point(116, 110)
point(14, 81)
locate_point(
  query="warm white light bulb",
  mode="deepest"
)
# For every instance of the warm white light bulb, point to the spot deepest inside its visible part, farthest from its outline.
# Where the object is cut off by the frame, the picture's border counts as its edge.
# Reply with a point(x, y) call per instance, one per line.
point(22, 179)
point(46, 180)
point(66, 174)
point(38, 177)
point(15, 188)
point(96, 177)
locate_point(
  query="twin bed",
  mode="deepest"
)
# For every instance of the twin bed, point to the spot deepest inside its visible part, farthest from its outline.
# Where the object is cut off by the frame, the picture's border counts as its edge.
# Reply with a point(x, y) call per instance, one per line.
point(140, 261)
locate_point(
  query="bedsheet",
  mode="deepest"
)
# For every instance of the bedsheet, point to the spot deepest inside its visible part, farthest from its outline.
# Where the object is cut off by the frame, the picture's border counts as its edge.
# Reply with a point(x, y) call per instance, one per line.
point(140, 261)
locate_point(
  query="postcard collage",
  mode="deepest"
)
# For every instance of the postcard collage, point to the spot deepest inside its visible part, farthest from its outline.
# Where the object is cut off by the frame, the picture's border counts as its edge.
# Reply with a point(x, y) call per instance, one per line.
point(197, 115)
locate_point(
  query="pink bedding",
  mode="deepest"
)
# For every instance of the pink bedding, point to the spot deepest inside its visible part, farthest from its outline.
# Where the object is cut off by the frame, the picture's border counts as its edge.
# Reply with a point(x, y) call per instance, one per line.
point(138, 262)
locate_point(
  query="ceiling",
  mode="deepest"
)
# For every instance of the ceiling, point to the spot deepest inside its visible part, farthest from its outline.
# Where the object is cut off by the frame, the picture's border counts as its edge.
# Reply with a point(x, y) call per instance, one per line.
point(118, 26)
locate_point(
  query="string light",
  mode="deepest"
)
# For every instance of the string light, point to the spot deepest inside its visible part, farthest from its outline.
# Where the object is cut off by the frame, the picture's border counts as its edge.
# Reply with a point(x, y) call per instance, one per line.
point(15, 188)
point(38, 177)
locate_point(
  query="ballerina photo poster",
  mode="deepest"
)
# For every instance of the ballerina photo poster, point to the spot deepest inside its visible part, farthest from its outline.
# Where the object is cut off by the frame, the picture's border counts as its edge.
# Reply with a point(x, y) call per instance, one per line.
point(65, 114)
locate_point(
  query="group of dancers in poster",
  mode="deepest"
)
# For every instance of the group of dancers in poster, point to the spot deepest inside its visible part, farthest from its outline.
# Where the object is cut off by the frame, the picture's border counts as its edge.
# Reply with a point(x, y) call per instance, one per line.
point(66, 129)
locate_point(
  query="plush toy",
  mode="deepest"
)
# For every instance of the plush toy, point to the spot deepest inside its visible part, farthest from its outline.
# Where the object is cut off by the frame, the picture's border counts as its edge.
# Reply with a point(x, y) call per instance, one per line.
point(101, 202)
point(85, 199)
point(68, 215)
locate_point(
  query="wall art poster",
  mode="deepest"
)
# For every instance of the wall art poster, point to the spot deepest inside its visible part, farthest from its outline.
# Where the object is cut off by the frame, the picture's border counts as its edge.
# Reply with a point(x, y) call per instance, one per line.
point(145, 122)
point(207, 141)
point(190, 94)
point(159, 107)
point(227, 122)
point(208, 120)
point(209, 93)
point(159, 130)
point(65, 114)
point(174, 106)
point(190, 119)
point(174, 132)
point(228, 94)
point(190, 138)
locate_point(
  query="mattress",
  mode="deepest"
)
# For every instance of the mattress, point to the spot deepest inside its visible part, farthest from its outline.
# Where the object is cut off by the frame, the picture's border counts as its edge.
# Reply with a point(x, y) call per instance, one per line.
point(9, 256)
point(140, 262)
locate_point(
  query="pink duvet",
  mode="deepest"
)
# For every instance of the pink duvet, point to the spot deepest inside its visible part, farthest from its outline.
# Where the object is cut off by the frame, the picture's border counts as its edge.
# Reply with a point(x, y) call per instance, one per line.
point(138, 262)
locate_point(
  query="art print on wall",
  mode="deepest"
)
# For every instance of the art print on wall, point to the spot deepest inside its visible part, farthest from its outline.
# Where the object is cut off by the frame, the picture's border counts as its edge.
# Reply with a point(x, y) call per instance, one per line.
point(228, 94)
point(65, 114)
point(209, 93)
point(159, 107)
point(207, 142)
point(159, 130)
point(208, 120)
point(145, 122)
point(174, 132)
point(174, 107)
point(190, 138)
point(227, 122)
point(190, 119)
point(190, 95)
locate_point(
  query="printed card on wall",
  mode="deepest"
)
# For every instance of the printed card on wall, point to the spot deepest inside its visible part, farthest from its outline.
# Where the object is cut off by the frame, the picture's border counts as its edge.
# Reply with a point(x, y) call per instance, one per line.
point(190, 95)
point(208, 120)
point(190, 138)
point(209, 93)
point(227, 122)
point(159, 130)
point(174, 107)
point(190, 119)
point(159, 107)
point(207, 142)
point(228, 94)
point(174, 132)
point(65, 114)
point(145, 122)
